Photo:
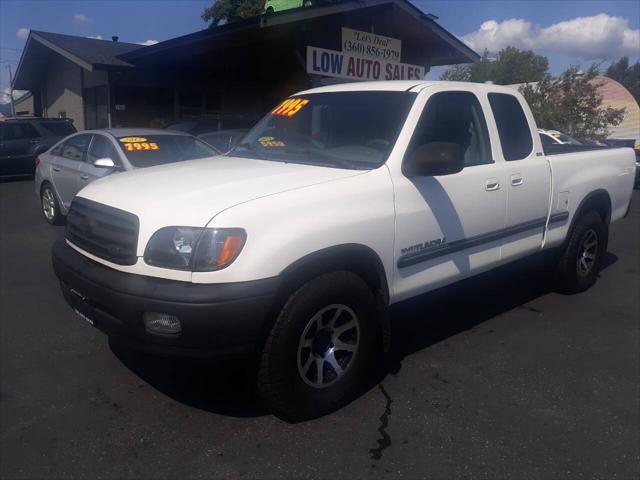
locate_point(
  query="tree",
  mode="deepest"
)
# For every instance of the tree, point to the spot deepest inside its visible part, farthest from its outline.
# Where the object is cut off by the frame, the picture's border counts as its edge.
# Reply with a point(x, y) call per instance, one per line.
point(225, 11)
point(628, 76)
point(571, 104)
point(511, 65)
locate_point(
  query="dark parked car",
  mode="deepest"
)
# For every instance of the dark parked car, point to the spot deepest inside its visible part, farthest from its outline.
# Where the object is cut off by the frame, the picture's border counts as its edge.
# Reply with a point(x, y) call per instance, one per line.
point(224, 140)
point(22, 139)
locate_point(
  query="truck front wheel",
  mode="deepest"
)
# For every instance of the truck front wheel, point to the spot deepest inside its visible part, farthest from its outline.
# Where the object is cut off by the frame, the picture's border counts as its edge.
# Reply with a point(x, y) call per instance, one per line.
point(578, 266)
point(319, 347)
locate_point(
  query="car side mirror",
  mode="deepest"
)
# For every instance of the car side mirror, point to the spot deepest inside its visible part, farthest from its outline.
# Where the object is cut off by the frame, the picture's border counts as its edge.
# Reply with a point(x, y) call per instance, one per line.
point(434, 159)
point(104, 163)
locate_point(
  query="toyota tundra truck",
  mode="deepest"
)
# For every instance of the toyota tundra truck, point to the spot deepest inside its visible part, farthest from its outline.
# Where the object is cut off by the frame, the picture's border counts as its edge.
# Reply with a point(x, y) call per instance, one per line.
point(341, 201)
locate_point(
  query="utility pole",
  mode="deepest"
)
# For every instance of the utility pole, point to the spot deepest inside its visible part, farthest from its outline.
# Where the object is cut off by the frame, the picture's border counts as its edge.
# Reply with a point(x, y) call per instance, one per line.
point(13, 106)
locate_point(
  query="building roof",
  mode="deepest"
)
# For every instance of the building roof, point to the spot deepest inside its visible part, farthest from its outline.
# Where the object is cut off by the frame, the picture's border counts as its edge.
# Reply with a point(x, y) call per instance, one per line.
point(88, 53)
point(444, 47)
point(457, 51)
point(615, 95)
point(90, 50)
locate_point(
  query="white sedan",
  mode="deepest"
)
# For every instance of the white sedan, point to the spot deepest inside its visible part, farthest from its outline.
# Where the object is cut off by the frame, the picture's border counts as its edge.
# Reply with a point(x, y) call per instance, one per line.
point(71, 164)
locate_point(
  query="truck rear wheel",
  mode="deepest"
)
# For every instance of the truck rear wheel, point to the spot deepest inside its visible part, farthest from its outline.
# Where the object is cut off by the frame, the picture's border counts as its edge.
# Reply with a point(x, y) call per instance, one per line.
point(578, 266)
point(319, 348)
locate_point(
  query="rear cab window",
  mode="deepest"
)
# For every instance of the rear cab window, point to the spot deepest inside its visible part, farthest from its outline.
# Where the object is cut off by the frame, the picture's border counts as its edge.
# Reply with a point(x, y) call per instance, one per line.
point(149, 150)
point(513, 128)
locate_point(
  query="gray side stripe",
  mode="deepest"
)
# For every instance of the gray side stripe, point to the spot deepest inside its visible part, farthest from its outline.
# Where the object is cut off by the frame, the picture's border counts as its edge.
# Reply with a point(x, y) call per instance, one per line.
point(465, 243)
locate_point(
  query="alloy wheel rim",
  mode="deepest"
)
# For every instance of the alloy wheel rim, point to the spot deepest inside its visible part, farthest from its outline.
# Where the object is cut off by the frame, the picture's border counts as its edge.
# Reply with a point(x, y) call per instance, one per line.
point(587, 252)
point(328, 345)
point(48, 204)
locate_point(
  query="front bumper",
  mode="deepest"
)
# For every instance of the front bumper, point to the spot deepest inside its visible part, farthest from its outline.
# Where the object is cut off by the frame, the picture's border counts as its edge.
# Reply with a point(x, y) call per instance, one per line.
point(217, 319)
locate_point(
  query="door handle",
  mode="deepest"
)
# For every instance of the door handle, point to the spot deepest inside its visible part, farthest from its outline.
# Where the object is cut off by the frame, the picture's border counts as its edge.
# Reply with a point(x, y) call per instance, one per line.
point(56, 169)
point(492, 185)
point(84, 176)
point(516, 180)
point(33, 142)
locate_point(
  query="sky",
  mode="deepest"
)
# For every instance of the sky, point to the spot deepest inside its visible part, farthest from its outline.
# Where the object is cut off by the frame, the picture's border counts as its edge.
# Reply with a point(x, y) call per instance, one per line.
point(567, 32)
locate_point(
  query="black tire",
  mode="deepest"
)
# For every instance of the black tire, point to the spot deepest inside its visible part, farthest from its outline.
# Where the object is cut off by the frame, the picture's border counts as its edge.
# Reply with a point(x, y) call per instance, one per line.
point(48, 196)
point(269, 11)
point(280, 380)
point(571, 276)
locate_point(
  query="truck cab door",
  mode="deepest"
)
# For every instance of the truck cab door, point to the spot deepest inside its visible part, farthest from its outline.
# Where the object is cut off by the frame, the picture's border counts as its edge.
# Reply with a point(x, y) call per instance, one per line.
point(447, 226)
point(528, 176)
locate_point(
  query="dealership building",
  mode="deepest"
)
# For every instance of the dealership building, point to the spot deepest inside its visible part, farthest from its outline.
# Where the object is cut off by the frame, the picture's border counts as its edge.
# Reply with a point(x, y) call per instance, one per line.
point(233, 72)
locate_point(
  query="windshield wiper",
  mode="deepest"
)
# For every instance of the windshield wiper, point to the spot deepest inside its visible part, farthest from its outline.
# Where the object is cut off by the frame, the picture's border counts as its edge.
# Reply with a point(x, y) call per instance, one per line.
point(252, 149)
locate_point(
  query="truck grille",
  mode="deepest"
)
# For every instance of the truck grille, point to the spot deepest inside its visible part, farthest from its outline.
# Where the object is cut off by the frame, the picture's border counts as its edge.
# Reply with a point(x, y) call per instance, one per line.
point(103, 231)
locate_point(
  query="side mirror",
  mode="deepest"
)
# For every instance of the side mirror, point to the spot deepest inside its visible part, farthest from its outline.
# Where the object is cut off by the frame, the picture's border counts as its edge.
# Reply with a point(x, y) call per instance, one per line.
point(104, 163)
point(434, 159)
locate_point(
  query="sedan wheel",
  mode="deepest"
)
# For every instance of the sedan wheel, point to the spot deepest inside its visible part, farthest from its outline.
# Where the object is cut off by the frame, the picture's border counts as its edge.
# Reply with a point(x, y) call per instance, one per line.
point(50, 207)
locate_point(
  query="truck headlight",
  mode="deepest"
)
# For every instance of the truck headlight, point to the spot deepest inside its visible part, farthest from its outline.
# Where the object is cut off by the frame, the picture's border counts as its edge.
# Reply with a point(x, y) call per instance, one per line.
point(195, 249)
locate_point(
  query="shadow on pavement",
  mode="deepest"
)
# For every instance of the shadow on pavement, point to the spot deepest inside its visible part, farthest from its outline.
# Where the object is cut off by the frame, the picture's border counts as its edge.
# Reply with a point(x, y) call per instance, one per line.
point(226, 388)
point(16, 178)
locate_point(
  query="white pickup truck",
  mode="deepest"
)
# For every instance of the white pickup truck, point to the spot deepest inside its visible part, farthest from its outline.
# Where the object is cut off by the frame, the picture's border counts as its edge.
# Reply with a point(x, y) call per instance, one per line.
point(343, 200)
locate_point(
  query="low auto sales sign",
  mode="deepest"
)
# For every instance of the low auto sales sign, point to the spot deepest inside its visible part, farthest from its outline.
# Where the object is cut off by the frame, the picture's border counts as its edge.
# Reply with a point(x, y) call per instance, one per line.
point(364, 56)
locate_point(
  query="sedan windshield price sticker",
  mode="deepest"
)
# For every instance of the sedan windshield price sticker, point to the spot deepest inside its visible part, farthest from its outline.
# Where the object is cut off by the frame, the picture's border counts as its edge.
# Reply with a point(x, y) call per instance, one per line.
point(137, 146)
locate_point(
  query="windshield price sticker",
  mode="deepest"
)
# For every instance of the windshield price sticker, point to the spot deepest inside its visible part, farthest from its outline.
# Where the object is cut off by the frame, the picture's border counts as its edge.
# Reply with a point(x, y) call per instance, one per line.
point(138, 146)
point(270, 142)
point(133, 140)
point(290, 107)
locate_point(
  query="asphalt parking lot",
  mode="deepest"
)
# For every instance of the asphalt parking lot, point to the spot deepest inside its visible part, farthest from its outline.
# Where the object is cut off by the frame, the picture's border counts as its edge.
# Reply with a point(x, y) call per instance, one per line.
point(493, 378)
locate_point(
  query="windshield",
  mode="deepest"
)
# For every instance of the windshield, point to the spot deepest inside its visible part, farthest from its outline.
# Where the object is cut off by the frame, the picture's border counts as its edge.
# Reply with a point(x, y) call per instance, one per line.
point(354, 130)
point(151, 150)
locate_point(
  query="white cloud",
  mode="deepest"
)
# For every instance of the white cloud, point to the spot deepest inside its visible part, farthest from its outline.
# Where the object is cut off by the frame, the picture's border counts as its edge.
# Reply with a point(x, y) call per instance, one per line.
point(95, 37)
point(22, 33)
point(589, 38)
point(148, 42)
point(82, 19)
point(600, 36)
point(495, 36)
point(6, 92)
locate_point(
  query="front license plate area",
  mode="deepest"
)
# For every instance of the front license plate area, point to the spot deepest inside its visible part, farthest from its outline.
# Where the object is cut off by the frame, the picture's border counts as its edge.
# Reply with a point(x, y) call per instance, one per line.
point(83, 307)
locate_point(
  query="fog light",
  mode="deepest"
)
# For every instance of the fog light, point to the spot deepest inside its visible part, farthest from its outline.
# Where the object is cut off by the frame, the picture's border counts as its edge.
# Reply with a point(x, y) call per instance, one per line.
point(161, 323)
